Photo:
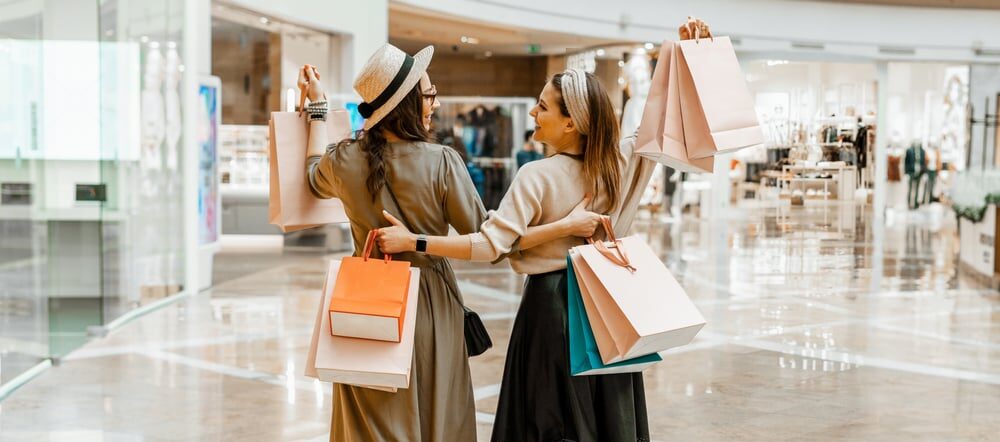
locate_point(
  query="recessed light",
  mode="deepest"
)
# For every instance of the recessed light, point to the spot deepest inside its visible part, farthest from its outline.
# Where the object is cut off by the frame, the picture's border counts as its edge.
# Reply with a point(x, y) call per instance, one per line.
point(649, 46)
point(470, 40)
point(621, 63)
point(265, 20)
point(600, 52)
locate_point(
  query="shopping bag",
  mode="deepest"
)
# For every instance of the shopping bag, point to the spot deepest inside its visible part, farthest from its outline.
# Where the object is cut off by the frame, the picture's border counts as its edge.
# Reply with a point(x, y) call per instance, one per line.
point(362, 362)
point(291, 204)
point(661, 131)
point(369, 297)
point(584, 357)
point(717, 111)
point(640, 308)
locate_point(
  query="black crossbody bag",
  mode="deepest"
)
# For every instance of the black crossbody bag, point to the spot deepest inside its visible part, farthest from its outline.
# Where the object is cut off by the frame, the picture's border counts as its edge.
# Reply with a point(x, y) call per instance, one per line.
point(477, 339)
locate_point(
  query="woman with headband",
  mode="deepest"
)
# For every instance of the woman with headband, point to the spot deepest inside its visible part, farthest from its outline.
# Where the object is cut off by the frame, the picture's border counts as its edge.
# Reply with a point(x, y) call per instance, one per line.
point(433, 191)
point(539, 399)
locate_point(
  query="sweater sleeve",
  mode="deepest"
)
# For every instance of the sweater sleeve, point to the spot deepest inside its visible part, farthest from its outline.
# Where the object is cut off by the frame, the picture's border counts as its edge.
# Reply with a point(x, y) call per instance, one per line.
point(521, 206)
point(638, 170)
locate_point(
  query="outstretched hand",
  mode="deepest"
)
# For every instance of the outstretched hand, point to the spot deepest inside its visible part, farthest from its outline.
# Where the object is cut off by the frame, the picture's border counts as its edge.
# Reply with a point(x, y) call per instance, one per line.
point(397, 238)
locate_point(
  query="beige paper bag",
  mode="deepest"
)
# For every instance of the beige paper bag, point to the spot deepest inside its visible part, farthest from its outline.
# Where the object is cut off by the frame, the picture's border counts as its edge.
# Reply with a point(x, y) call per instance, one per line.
point(291, 204)
point(362, 362)
point(716, 106)
point(661, 132)
point(642, 311)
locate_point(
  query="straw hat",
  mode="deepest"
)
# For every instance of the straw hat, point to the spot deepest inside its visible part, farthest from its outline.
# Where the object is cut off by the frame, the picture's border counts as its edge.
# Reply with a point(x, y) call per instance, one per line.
point(387, 77)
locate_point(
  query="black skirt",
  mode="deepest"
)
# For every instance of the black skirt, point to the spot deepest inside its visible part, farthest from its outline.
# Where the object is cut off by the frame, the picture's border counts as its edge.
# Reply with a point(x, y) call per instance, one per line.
point(540, 400)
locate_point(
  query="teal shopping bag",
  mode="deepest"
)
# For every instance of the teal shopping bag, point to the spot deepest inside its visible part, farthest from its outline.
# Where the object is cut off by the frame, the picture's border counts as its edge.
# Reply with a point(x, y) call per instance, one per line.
point(584, 357)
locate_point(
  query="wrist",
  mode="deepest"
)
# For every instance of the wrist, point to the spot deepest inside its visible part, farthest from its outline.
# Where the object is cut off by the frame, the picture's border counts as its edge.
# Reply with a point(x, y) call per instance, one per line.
point(413, 242)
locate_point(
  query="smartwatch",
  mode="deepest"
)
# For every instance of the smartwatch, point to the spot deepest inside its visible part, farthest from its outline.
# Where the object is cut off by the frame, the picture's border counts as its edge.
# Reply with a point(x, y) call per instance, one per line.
point(421, 243)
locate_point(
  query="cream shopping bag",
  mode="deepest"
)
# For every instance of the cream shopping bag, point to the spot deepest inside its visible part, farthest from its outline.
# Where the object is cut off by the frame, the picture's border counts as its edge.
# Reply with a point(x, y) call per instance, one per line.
point(365, 363)
point(291, 204)
point(661, 132)
point(634, 304)
point(716, 107)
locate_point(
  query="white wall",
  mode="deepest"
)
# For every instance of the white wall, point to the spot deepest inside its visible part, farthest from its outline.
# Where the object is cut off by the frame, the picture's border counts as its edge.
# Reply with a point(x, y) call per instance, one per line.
point(763, 25)
point(365, 23)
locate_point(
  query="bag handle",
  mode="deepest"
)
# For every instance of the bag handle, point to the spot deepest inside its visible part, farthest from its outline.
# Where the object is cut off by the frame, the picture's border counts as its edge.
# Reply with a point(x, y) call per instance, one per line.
point(618, 256)
point(370, 245)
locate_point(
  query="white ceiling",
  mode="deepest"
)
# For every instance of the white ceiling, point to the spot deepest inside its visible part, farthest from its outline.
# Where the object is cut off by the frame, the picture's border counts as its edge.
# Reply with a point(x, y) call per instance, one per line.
point(970, 4)
point(413, 28)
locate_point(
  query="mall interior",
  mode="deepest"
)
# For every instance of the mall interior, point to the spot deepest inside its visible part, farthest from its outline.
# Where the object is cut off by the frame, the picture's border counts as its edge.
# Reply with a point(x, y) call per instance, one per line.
point(849, 290)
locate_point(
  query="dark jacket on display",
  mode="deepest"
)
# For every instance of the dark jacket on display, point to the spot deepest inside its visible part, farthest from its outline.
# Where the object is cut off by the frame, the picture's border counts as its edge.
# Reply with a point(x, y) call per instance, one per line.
point(913, 164)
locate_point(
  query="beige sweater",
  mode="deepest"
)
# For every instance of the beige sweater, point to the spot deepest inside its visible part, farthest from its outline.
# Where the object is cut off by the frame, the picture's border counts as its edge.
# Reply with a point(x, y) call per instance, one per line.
point(545, 191)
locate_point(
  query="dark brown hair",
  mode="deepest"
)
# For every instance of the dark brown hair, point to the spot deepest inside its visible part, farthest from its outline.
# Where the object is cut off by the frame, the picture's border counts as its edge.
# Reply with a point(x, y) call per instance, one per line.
point(601, 157)
point(406, 121)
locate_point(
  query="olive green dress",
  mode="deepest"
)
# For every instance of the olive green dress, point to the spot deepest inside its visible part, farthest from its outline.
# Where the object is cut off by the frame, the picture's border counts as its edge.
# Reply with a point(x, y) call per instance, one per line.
point(434, 191)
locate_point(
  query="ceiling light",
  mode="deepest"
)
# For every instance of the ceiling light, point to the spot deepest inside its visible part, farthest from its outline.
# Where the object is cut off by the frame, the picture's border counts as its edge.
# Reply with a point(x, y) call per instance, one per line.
point(600, 52)
point(621, 63)
point(808, 45)
point(265, 20)
point(470, 40)
point(621, 80)
point(649, 46)
point(144, 39)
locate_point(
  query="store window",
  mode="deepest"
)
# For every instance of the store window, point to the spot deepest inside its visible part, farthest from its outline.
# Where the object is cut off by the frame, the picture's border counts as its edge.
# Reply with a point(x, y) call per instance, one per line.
point(90, 195)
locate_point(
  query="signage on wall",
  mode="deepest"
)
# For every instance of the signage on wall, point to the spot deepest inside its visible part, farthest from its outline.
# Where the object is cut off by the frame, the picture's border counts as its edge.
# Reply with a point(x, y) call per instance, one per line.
point(209, 122)
point(91, 192)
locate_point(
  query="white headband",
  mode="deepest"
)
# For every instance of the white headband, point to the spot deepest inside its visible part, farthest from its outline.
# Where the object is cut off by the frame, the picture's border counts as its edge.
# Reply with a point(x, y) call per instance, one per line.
point(574, 92)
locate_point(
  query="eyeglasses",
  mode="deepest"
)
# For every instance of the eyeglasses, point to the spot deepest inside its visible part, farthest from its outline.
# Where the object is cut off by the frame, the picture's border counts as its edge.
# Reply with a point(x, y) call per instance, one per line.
point(430, 95)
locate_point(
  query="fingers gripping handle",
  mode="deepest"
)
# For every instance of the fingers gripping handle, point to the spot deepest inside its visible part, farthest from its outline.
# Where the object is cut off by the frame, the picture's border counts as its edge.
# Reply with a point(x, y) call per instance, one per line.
point(370, 245)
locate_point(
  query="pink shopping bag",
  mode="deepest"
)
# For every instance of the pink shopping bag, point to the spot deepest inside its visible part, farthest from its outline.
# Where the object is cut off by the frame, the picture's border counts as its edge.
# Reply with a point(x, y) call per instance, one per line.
point(291, 204)
point(362, 362)
point(635, 305)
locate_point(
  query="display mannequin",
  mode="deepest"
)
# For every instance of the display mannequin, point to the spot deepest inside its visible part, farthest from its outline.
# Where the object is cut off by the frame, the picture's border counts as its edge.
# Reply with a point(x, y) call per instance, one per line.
point(933, 166)
point(172, 102)
point(914, 165)
point(152, 116)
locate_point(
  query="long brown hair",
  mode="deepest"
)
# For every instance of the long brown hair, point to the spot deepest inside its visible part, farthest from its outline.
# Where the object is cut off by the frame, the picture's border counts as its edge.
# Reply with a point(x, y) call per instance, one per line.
point(406, 121)
point(601, 157)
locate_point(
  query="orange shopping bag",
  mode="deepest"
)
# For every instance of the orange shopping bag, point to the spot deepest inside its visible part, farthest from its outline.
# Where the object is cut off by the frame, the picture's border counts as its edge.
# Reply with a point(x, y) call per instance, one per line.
point(369, 298)
point(291, 204)
point(378, 365)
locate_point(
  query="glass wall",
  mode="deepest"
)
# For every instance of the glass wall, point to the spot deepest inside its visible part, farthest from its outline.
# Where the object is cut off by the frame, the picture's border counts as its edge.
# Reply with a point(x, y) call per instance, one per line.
point(90, 136)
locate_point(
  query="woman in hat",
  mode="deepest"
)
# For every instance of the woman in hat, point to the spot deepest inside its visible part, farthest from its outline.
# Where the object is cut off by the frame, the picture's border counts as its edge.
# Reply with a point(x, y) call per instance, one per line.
point(393, 165)
point(539, 399)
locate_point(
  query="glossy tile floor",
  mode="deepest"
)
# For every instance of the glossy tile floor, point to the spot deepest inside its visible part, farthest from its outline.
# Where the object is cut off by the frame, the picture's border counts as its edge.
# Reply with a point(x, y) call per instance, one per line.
point(821, 326)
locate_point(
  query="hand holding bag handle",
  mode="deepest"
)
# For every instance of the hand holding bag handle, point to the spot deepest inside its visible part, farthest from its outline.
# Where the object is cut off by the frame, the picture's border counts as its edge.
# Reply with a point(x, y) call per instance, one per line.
point(618, 256)
point(370, 245)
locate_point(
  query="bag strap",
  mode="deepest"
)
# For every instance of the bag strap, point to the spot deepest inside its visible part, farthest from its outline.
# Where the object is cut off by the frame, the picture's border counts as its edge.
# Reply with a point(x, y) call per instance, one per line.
point(406, 221)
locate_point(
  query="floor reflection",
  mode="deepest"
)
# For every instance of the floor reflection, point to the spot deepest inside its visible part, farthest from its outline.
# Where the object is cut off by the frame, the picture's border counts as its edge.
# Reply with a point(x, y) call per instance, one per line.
point(815, 332)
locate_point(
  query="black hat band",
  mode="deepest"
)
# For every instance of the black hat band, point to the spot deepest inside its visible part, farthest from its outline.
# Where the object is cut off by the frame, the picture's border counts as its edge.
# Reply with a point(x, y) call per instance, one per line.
point(368, 108)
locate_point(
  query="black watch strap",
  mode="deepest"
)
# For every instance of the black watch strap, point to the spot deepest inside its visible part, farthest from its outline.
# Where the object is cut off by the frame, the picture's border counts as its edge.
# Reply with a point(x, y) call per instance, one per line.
point(421, 243)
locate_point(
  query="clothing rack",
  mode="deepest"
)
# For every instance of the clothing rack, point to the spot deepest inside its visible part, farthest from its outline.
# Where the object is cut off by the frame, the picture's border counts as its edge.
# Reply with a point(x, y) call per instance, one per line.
point(488, 132)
